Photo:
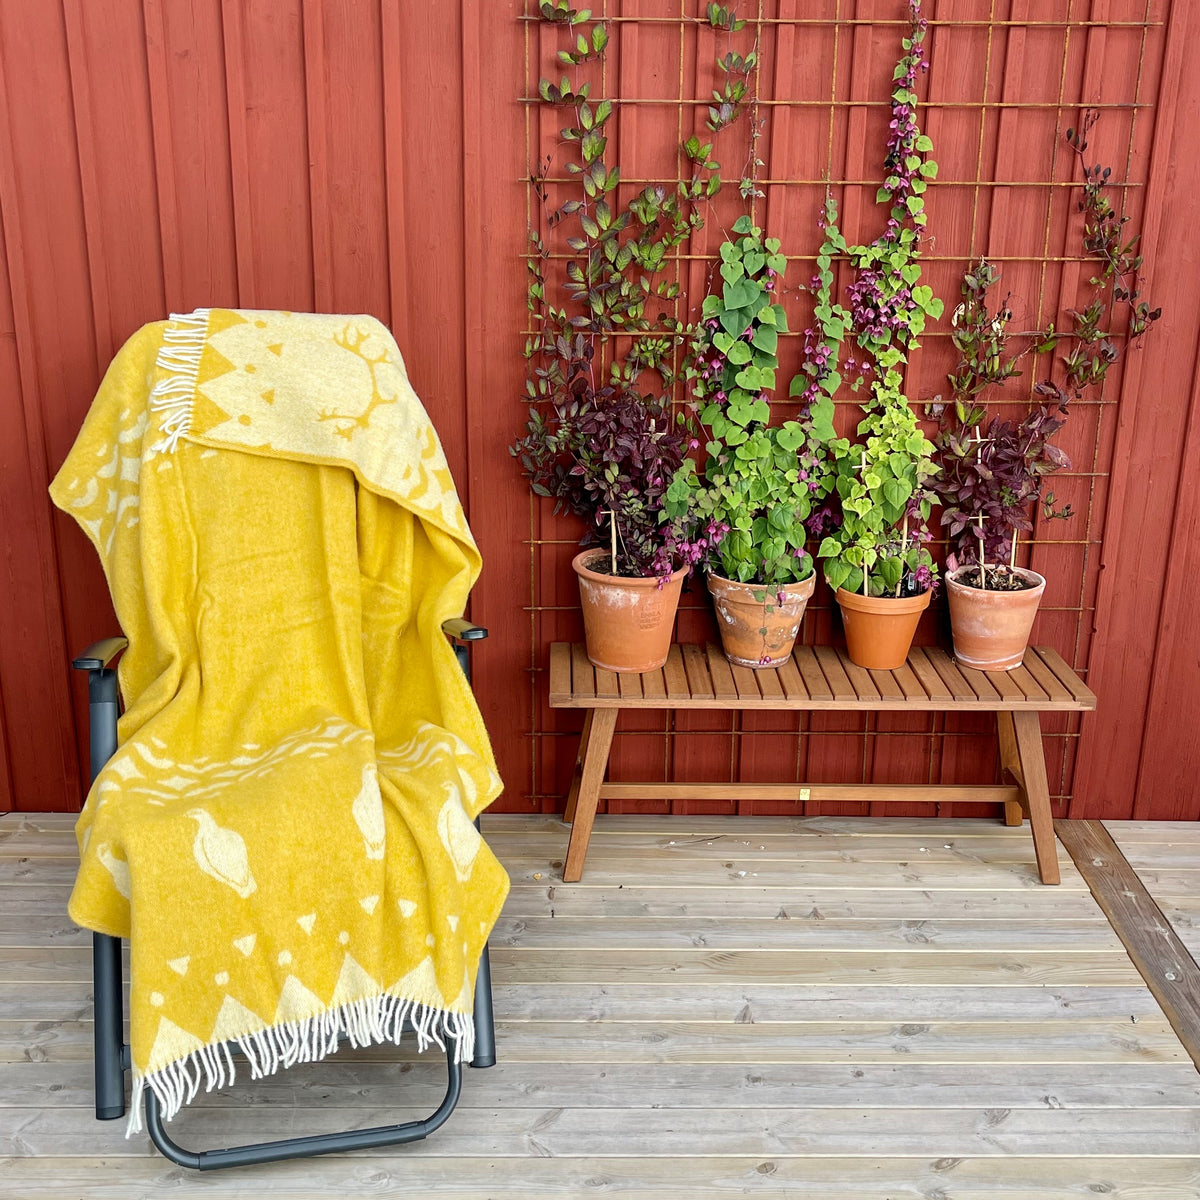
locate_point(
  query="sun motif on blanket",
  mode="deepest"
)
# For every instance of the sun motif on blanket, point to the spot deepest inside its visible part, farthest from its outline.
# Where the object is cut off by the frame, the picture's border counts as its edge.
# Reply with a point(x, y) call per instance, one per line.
point(352, 339)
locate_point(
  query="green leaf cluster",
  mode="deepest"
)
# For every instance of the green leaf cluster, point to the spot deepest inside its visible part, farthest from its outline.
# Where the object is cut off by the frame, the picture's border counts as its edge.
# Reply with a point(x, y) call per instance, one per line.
point(753, 494)
point(746, 509)
point(882, 484)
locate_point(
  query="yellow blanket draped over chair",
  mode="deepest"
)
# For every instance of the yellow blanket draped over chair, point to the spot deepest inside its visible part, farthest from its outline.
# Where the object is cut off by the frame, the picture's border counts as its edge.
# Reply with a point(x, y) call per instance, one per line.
point(285, 833)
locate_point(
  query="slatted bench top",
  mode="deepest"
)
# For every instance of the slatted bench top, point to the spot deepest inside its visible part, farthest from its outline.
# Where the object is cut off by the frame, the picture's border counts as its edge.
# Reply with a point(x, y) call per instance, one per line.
point(819, 677)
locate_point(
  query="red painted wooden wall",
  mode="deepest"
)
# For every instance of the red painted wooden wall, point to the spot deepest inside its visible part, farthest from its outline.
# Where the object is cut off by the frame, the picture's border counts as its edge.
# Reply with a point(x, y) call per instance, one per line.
point(372, 156)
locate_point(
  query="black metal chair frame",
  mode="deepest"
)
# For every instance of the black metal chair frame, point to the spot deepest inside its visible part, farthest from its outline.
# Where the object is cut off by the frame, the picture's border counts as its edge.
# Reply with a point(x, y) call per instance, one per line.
point(112, 1057)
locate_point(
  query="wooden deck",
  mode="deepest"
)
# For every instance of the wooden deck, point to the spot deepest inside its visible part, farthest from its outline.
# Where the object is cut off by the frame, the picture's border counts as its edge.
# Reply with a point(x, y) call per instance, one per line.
point(821, 1009)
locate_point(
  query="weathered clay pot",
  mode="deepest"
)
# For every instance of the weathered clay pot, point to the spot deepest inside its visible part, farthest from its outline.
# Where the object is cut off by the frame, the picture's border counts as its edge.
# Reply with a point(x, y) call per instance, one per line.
point(991, 629)
point(756, 629)
point(627, 622)
point(879, 629)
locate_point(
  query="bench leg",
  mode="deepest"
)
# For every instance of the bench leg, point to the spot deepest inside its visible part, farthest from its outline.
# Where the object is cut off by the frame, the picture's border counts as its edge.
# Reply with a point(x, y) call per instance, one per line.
point(1010, 760)
point(1028, 730)
point(573, 795)
point(594, 745)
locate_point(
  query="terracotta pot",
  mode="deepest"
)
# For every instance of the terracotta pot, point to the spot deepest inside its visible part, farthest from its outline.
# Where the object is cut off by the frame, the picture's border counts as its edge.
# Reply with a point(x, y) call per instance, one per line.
point(879, 629)
point(991, 629)
point(627, 622)
point(756, 630)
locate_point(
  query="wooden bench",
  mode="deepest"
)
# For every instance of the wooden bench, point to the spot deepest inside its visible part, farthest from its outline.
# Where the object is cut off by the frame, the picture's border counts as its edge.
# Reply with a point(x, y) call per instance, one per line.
point(820, 678)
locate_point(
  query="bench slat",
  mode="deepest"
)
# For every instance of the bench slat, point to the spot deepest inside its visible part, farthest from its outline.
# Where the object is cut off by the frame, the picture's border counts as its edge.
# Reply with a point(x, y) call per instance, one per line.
point(1026, 682)
point(960, 689)
point(860, 680)
point(719, 672)
point(560, 672)
point(793, 685)
point(654, 686)
point(1079, 690)
point(675, 676)
point(831, 665)
point(909, 683)
point(930, 680)
point(746, 684)
point(1005, 686)
point(630, 685)
point(696, 669)
point(979, 682)
point(583, 674)
point(768, 683)
point(1050, 682)
point(606, 683)
point(889, 689)
point(811, 674)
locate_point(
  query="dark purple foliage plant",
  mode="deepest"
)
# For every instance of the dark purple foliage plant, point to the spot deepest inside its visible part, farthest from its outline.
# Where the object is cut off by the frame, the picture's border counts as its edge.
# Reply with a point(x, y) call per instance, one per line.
point(598, 440)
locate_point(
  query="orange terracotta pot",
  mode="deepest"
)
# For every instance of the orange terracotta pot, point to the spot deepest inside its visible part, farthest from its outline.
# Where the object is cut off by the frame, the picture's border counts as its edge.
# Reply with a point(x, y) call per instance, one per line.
point(756, 629)
point(879, 629)
point(991, 629)
point(627, 622)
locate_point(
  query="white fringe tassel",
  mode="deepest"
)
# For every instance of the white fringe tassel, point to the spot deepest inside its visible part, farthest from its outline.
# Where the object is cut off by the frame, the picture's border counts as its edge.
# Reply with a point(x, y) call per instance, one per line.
point(366, 1022)
point(183, 343)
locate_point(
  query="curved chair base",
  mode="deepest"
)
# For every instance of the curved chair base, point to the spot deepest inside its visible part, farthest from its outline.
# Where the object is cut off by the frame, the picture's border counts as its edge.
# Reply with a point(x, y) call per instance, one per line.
point(305, 1147)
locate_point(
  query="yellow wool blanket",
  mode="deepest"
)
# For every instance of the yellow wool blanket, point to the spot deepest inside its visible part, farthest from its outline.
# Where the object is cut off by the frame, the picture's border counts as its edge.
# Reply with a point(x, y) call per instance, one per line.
point(285, 832)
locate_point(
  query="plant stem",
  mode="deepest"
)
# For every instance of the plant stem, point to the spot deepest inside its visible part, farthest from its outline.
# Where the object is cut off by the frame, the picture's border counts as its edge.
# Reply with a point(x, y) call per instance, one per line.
point(612, 519)
point(1012, 558)
point(903, 552)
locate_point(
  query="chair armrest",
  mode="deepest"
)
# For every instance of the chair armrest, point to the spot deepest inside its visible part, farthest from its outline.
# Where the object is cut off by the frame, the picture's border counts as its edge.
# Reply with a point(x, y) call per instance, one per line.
point(99, 654)
point(461, 630)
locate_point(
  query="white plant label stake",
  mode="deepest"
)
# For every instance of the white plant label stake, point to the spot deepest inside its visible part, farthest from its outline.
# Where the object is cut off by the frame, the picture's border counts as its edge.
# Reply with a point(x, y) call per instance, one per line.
point(862, 466)
point(982, 568)
point(980, 441)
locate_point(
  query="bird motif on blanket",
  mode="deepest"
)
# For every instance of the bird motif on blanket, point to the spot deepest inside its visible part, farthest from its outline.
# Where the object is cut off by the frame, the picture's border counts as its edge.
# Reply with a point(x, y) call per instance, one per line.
point(457, 833)
point(118, 868)
point(221, 854)
point(367, 811)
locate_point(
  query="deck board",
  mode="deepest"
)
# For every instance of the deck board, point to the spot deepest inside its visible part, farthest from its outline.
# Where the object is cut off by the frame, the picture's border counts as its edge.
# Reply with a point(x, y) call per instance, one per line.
point(816, 1009)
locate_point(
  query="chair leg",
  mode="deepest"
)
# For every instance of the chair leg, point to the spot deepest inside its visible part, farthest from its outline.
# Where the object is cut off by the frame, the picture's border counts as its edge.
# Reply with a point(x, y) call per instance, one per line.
point(108, 1028)
point(485, 1025)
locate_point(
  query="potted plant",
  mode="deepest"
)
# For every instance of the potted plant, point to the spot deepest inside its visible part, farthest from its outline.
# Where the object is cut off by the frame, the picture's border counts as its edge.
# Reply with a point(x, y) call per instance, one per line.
point(990, 480)
point(607, 455)
point(992, 475)
point(742, 516)
point(877, 557)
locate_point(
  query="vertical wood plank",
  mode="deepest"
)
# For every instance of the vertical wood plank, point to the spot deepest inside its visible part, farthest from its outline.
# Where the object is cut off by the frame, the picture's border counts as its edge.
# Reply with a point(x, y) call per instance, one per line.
point(233, 40)
point(316, 122)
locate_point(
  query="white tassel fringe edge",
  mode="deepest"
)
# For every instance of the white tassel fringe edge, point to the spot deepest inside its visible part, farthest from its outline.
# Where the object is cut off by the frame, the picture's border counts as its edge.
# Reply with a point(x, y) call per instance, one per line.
point(173, 394)
point(367, 1022)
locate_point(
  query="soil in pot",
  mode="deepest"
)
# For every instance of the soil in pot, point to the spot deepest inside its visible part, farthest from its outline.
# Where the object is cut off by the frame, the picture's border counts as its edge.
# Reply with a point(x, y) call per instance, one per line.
point(991, 626)
point(627, 621)
point(1002, 578)
point(880, 629)
point(759, 622)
